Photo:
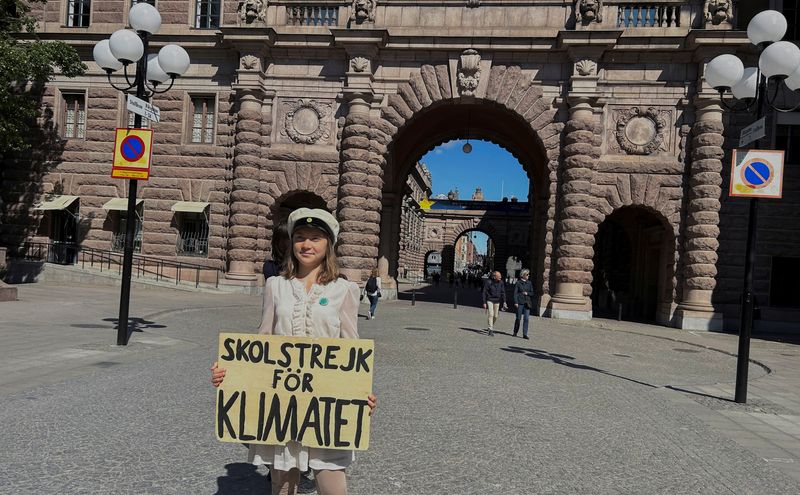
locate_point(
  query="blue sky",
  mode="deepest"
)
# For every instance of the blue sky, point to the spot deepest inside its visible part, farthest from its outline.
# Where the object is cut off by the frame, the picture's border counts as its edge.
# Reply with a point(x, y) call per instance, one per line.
point(489, 167)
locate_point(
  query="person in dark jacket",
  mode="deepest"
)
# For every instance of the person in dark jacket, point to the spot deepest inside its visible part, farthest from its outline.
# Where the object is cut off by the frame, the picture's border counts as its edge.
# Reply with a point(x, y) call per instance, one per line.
point(280, 244)
point(523, 293)
point(494, 299)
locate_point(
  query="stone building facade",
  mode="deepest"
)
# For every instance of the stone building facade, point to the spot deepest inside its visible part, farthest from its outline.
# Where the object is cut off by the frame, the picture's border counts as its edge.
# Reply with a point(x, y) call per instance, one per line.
point(333, 104)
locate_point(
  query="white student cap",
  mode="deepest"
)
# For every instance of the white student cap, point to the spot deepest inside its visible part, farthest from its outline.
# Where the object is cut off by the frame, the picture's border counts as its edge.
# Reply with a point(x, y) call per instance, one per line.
point(317, 218)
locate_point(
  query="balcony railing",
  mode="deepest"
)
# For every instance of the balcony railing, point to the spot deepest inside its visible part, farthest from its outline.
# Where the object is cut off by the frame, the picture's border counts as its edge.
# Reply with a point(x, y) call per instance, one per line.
point(312, 15)
point(632, 15)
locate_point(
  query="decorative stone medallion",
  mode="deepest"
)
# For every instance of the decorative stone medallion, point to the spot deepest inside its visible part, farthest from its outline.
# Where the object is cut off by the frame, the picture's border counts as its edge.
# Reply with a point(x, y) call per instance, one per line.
point(307, 121)
point(434, 233)
point(640, 132)
point(586, 67)
point(249, 62)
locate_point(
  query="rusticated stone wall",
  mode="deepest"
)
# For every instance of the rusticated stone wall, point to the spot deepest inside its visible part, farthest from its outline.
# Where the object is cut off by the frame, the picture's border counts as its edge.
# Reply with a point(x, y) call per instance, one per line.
point(359, 206)
point(579, 217)
point(702, 219)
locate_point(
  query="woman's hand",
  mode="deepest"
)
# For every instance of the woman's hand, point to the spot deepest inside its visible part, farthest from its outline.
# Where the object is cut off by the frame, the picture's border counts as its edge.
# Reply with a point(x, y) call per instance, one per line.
point(372, 402)
point(217, 374)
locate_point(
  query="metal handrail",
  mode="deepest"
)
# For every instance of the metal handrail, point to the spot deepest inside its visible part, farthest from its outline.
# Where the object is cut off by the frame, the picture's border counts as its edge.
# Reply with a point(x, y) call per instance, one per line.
point(72, 254)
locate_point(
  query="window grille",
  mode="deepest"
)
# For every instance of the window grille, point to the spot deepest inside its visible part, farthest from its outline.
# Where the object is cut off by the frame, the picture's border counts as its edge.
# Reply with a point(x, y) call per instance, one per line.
point(207, 14)
point(74, 120)
point(78, 13)
point(203, 118)
point(192, 235)
point(118, 237)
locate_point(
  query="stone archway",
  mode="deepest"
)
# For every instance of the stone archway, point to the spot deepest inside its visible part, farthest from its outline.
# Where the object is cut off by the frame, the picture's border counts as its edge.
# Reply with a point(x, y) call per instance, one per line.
point(377, 153)
point(632, 275)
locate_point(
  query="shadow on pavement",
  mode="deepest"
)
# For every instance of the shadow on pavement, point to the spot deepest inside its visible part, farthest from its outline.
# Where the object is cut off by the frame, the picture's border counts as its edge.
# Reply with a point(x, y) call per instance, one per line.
point(443, 294)
point(567, 361)
point(242, 479)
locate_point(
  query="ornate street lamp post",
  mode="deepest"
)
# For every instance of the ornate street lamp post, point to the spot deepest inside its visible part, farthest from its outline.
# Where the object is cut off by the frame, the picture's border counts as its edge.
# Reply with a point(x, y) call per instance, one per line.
point(778, 65)
point(123, 48)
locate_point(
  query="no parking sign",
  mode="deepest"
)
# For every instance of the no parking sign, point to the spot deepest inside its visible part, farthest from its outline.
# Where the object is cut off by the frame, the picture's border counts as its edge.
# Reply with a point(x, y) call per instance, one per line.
point(133, 149)
point(757, 174)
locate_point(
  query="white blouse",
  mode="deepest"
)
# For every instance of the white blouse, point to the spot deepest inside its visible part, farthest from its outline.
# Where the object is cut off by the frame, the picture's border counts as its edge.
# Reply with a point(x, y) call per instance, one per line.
point(329, 310)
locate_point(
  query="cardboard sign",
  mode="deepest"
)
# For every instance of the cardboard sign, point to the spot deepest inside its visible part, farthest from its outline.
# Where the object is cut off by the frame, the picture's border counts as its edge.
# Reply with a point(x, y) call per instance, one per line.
point(279, 389)
point(133, 150)
point(757, 174)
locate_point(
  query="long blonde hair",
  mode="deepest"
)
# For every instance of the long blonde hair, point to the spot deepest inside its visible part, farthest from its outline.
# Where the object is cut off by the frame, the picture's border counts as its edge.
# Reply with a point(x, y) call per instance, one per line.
point(328, 272)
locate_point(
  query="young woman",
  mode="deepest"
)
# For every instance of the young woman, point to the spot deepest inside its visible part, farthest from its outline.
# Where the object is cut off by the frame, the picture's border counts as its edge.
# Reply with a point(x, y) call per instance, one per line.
point(309, 299)
point(373, 290)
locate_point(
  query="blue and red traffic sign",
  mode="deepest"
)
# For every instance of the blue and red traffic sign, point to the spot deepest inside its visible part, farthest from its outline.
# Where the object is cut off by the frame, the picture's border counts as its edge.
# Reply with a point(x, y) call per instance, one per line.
point(132, 148)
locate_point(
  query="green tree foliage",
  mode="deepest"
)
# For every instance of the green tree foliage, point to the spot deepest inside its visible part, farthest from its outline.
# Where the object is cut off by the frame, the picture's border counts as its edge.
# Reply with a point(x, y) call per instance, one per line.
point(26, 63)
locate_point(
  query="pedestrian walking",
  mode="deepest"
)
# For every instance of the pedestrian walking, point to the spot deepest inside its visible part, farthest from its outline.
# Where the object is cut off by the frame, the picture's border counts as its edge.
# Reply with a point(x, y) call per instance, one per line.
point(308, 299)
point(523, 292)
point(280, 245)
point(373, 291)
point(494, 299)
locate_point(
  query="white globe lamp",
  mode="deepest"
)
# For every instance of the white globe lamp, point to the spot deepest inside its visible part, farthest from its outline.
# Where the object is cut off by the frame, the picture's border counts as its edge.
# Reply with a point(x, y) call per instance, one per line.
point(768, 26)
point(779, 59)
point(174, 60)
point(747, 85)
point(144, 18)
point(104, 58)
point(724, 71)
point(126, 46)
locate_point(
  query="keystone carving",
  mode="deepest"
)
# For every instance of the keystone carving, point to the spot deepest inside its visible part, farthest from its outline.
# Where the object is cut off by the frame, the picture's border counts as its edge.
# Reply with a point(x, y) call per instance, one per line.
point(640, 133)
point(249, 62)
point(587, 11)
point(359, 64)
point(718, 11)
point(307, 121)
point(252, 10)
point(586, 68)
point(363, 11)
point(469, 72)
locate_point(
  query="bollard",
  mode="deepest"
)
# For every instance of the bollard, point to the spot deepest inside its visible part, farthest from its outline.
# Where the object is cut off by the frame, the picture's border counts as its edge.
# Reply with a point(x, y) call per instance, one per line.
point(414, 296)
point(619, 312)
point(455, 298)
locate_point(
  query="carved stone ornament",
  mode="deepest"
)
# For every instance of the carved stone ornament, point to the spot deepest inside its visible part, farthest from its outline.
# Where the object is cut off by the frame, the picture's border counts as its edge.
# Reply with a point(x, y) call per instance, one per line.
point(307, 122)
point(434, 233)
point(718, 11)
point(249, 62)
point(252, 10)
point(473, 4)
point(587, 11)
point(640, 133)
point(359, 64)
point(586, 67)
point(469, 72)
point(363, 11)
point(683, 145)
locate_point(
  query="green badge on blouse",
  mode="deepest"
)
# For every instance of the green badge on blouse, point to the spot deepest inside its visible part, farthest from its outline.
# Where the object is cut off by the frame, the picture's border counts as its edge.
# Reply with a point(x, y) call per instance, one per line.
point(323, 301)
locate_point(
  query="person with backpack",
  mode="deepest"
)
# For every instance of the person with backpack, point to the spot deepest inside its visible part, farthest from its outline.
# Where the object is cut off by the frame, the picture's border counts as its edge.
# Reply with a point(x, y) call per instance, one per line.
point(373, 291)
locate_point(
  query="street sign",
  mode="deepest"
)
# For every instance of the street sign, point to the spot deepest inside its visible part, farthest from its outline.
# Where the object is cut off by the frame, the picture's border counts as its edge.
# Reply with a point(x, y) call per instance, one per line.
point(133, 150)
point(756, 130)
point(757, 174)
point(143, 108)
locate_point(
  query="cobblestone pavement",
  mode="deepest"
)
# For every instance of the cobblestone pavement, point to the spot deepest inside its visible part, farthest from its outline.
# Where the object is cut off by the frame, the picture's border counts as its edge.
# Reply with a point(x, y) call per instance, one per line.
point(578, 409)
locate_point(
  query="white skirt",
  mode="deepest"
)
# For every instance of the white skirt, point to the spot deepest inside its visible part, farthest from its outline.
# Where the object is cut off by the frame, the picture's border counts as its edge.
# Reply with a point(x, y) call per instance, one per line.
point(295, 455)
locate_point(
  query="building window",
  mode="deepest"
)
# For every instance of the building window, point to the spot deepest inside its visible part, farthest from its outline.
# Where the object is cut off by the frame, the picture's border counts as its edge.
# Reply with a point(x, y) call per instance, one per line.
point(203, 119)
point(132, 116)
point(151, 2)
point(788, 138)
point(207, 14)
point(120, 226)
point(783, 282)
point(192, 234)
point(73, 123)
point(78, 13)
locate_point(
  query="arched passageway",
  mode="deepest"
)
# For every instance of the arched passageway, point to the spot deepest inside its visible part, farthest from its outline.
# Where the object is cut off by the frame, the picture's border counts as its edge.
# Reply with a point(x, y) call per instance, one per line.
point(632, 266)
point(475, 119)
